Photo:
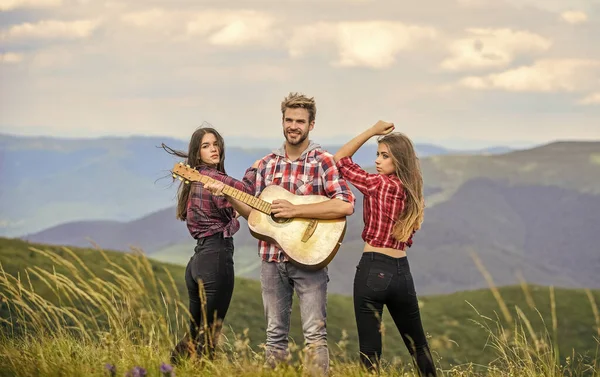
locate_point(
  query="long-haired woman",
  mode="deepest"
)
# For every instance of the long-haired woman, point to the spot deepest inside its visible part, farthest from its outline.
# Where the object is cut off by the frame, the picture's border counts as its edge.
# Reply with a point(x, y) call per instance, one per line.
point(209, 275)
point(393, 212)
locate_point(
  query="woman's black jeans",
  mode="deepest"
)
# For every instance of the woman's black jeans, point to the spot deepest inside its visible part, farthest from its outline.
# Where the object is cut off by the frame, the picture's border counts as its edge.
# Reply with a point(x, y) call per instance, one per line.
point(384, 280)
point(209, 277)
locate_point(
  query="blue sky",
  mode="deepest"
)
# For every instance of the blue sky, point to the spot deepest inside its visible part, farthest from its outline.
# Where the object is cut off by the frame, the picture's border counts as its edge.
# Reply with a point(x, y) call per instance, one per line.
point(461, 73)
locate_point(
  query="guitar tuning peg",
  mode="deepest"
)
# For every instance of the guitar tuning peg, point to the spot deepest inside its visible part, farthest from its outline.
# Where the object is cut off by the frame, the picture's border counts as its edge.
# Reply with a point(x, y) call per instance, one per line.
point(180, 178)
point(187, 182)
point(174, 175)
point(188, 166)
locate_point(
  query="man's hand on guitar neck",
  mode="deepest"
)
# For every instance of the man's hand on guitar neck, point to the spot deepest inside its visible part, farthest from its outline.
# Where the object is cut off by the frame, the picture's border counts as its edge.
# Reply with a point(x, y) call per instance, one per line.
point(216, 188)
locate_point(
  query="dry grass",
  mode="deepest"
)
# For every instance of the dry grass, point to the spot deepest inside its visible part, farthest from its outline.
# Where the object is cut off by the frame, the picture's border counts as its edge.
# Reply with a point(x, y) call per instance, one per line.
point(135, 319)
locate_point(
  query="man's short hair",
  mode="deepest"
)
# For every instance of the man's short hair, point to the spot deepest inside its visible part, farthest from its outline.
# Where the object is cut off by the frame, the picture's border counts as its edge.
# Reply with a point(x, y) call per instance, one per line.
point(299, 100)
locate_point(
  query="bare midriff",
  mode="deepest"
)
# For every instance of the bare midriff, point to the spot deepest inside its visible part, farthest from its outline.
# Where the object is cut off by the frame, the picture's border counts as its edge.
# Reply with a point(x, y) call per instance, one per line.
point(394, 253)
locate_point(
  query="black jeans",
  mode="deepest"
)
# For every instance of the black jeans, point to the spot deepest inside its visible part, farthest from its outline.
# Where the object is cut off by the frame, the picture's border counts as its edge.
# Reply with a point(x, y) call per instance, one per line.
point(383, 280)
point(209, 278)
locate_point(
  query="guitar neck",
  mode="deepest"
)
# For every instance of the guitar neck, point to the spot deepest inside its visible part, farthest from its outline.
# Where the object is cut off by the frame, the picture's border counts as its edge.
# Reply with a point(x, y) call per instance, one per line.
point(243, 197)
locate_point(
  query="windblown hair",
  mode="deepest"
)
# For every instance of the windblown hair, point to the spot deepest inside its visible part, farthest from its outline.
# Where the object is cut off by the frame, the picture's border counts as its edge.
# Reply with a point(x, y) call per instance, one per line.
point(298, 100)
point(193, 159)
point(408, 169)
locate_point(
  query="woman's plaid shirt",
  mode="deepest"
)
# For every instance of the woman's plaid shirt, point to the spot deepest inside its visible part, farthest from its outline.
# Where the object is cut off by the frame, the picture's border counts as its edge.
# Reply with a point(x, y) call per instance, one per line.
point(208, 214)
point(383, 203)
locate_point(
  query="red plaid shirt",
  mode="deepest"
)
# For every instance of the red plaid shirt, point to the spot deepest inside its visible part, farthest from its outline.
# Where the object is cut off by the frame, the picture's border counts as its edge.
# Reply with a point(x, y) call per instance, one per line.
point(383, 203)
point(208, 214)
point(314, 172)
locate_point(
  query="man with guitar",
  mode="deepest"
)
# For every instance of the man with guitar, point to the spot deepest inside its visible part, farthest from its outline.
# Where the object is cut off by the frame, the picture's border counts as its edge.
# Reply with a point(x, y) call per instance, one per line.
point(303, 169)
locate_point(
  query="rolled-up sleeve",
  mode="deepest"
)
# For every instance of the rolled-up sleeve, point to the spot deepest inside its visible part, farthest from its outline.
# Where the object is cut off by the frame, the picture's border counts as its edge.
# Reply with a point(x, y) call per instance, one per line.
point(334, 184)
point(365, 182)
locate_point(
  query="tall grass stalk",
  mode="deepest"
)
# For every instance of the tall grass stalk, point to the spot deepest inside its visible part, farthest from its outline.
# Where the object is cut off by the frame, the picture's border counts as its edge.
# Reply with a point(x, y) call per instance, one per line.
point(134, 319)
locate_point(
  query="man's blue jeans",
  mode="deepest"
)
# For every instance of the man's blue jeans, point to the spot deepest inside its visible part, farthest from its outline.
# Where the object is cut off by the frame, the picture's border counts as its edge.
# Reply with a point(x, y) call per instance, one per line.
point(278, 282)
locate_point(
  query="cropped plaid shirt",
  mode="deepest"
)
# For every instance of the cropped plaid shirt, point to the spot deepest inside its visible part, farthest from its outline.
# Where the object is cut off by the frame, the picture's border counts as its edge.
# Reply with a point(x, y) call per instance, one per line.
point(383, 203)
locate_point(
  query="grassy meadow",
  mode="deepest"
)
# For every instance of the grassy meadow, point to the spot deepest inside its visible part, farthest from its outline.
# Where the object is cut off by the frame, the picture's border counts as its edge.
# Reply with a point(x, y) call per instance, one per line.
point(70, 312)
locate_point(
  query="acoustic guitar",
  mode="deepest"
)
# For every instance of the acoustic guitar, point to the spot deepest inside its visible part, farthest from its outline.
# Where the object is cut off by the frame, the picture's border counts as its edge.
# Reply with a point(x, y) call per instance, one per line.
point(308, 243)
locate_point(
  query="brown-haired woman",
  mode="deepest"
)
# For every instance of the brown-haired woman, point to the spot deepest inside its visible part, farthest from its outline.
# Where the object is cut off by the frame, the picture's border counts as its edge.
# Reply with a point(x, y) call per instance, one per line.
point(209, 275)
point(393, 212)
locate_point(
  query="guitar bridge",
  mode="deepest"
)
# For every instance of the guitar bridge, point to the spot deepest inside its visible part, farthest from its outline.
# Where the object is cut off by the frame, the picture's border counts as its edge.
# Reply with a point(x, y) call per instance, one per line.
point(310, 229)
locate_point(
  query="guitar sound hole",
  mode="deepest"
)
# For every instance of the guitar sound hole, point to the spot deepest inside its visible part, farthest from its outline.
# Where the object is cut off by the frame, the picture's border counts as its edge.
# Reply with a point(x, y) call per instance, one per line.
point(280, 220)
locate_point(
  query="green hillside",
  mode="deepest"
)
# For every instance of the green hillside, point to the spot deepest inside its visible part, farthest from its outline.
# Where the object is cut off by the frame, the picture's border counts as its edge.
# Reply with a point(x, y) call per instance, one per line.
point(450, 319)
point(570, 165)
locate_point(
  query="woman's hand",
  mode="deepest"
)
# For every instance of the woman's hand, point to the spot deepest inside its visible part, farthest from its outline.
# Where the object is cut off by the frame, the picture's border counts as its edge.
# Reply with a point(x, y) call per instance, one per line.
point(215, 188)
point(382, 128)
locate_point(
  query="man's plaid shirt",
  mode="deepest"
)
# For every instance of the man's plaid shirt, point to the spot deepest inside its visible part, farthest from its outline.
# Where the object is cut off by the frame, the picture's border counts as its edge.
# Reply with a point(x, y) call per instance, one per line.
point(314, 172)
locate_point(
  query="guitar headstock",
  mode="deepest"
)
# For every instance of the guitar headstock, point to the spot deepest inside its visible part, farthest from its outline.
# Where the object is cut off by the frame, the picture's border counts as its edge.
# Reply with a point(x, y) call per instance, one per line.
point(185, 172)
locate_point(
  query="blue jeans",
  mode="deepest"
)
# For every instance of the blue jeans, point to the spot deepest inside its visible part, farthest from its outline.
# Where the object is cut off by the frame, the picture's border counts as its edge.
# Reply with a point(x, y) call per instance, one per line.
point(278, 281)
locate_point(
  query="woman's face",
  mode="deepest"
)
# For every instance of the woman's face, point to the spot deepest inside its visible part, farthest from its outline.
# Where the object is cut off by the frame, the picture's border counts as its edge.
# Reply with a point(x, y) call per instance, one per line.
point(384, 162)
point(209, 150)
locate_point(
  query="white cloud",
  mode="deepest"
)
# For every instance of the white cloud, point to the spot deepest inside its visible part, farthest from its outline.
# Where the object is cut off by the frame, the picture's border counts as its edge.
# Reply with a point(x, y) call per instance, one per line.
point(574, 17)
point(11, 58)
point(373, 44)
point(231, 28)
point(592, 99)
point(51, 29)
point(151, 17)
point(6, 5)
point(551, 75)
point(555, 6)
point(219, 27)
point(178, 62)
point(492, 48)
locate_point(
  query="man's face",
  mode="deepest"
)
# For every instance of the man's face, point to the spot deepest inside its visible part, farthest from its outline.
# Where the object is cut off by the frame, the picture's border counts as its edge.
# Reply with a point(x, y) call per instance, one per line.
point(296, 125)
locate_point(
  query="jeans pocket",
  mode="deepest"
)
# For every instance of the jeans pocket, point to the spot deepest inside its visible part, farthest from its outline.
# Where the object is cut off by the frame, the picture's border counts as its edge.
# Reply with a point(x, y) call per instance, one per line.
point(206, 266)
point(379, 279)
point(410, 285)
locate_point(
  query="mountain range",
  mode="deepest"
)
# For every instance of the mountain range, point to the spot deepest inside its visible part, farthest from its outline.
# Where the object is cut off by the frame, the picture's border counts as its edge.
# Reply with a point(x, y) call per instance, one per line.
point(528, 214)
point(50, 181)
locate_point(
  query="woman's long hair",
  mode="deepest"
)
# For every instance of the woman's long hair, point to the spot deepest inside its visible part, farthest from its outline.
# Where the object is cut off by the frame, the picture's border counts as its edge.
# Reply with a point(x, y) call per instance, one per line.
point(408, 170)
point(193, 159)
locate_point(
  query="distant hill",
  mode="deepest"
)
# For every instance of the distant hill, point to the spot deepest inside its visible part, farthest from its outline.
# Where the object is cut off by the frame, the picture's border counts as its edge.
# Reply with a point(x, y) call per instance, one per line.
point(448, 319)
point(544, 231)
point(47, 181)
point(149, 233)
point(571, 165)
point(544, 234)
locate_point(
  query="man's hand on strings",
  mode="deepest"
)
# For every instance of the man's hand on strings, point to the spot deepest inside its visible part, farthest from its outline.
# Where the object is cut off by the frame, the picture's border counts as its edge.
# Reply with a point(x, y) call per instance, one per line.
point(283, 209)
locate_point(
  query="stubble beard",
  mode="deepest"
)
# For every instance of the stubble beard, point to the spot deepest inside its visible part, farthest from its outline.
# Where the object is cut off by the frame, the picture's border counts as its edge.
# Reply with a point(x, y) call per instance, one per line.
point(300, 140)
